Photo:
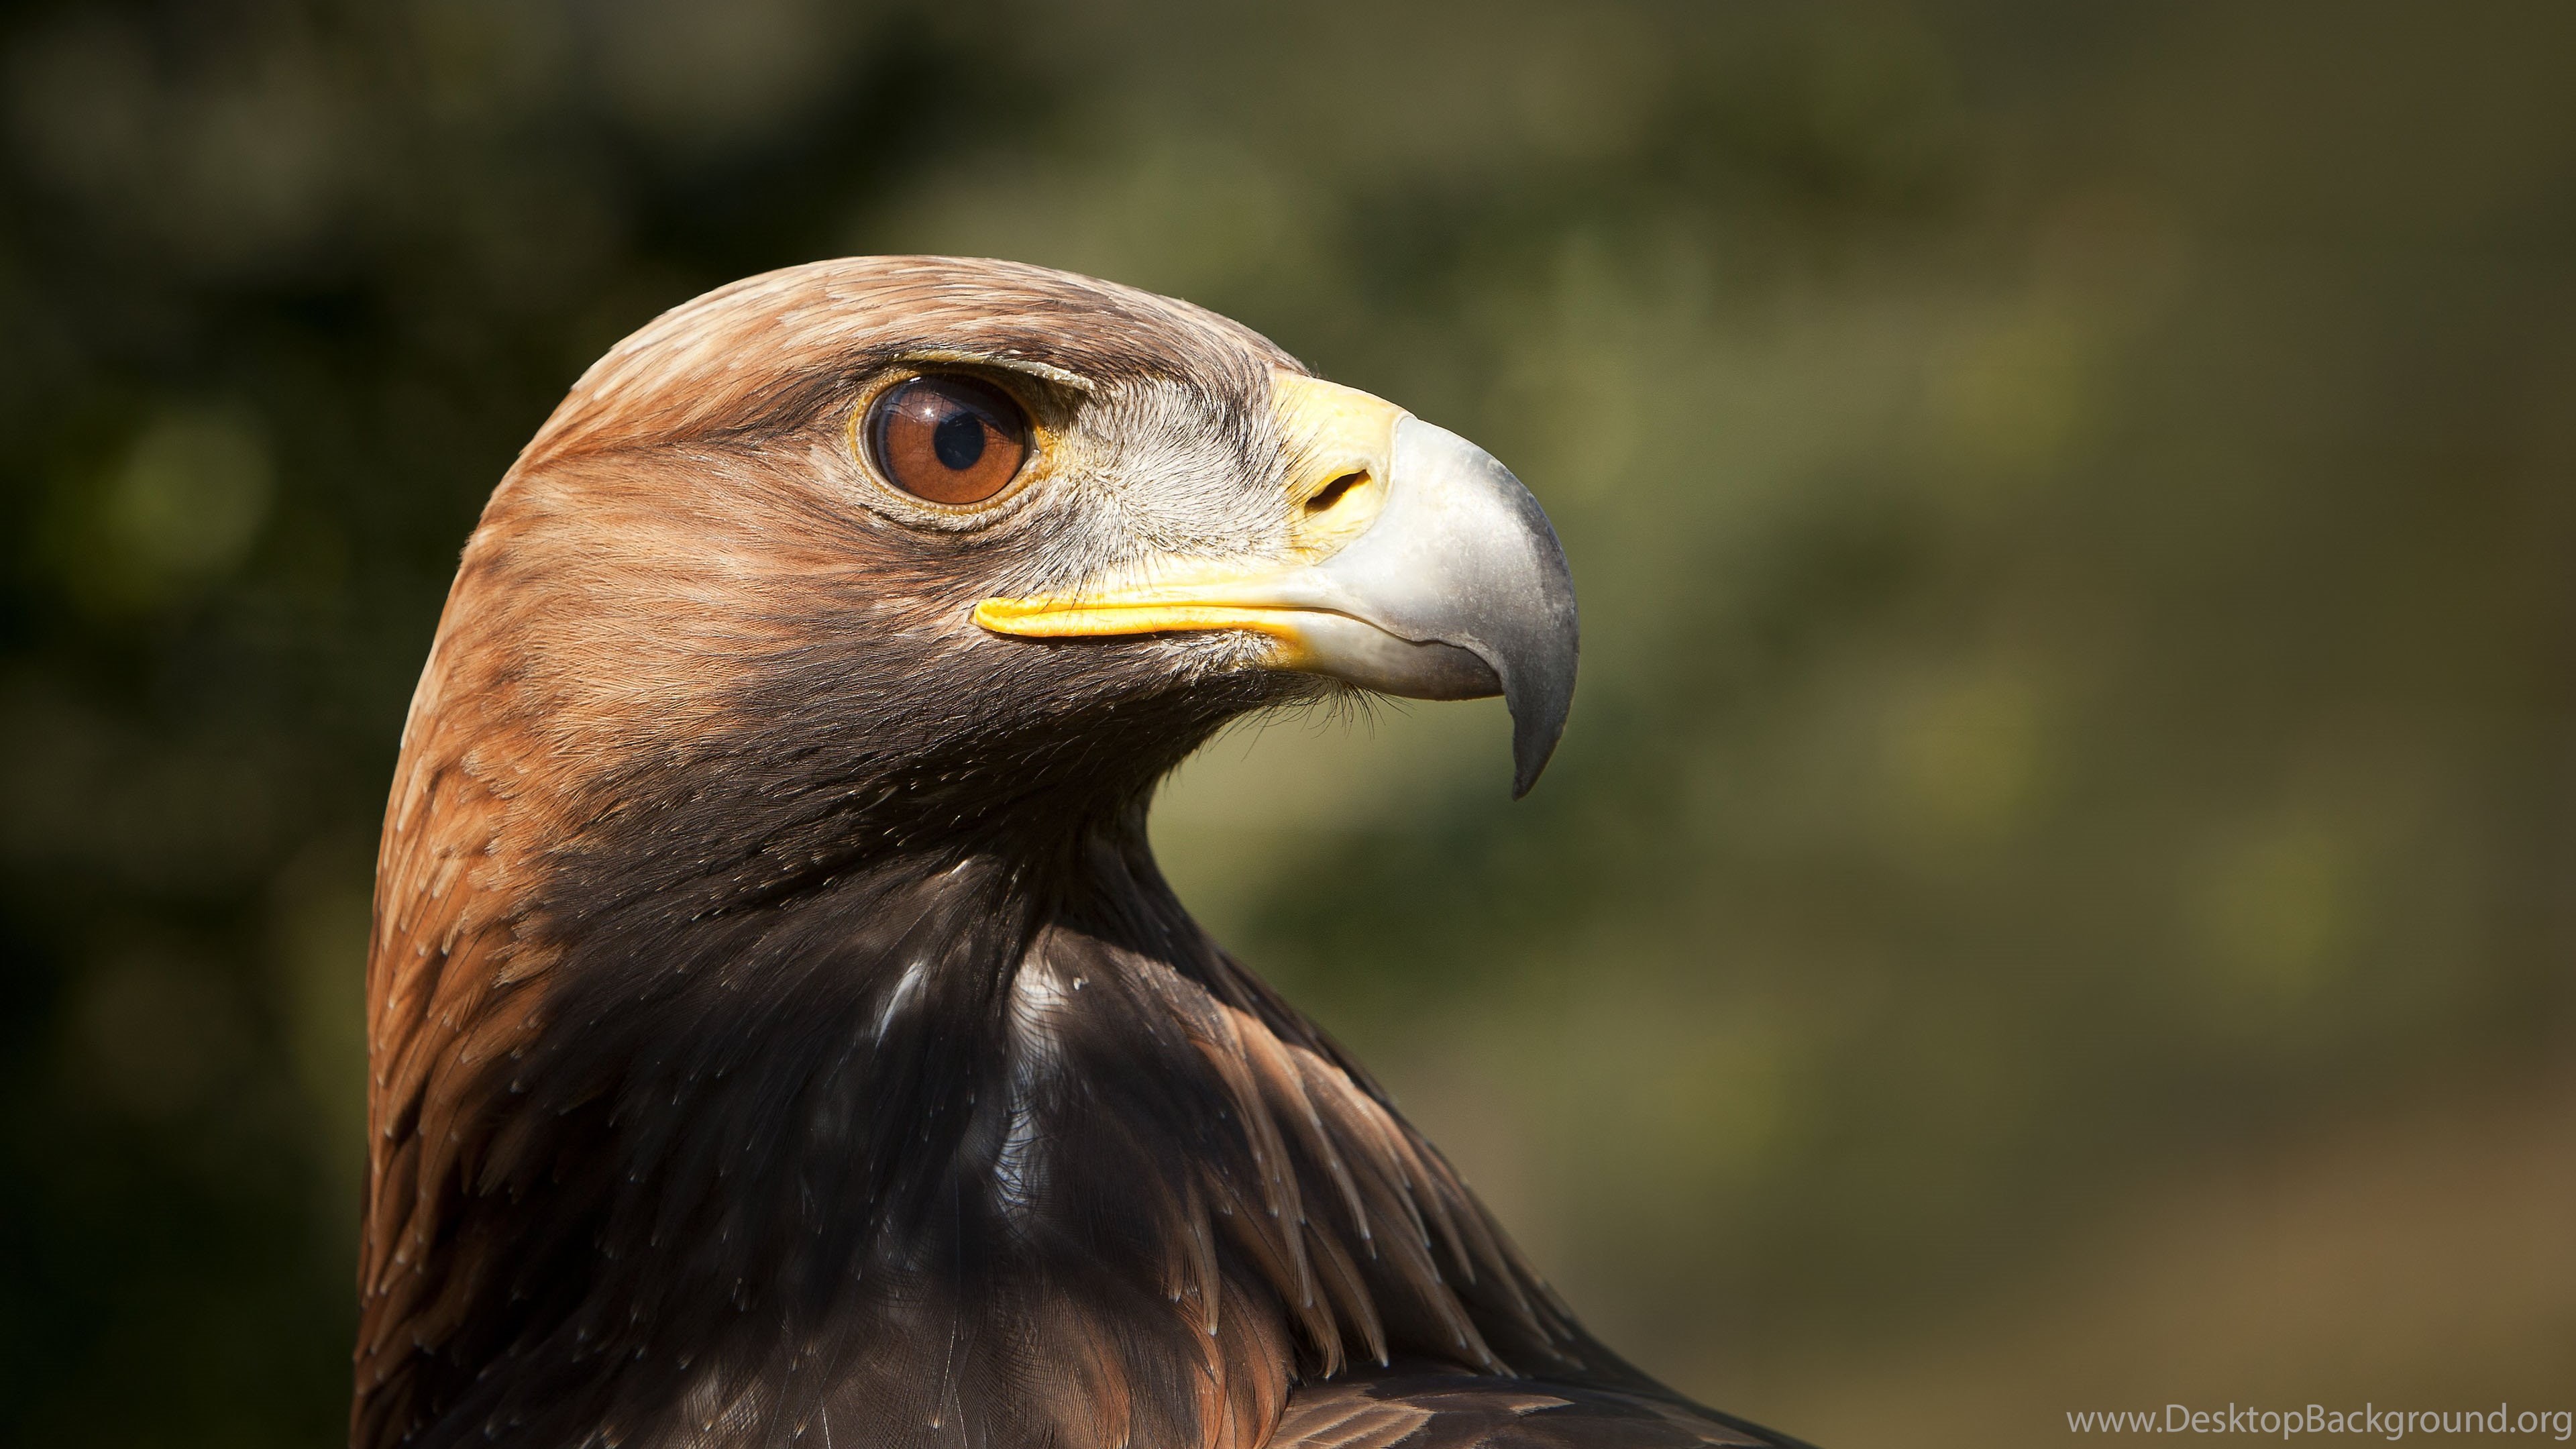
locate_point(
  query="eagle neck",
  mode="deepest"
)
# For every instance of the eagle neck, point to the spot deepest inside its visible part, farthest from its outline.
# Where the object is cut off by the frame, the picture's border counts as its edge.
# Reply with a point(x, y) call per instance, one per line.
point(893, 1144)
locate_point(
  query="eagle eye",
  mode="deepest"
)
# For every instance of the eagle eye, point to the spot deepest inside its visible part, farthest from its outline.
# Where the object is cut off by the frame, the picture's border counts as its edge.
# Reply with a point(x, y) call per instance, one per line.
point(947, 438)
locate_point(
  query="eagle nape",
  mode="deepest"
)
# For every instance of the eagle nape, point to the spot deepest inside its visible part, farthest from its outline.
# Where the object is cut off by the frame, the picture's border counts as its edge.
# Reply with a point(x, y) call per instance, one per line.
point(779, 1032)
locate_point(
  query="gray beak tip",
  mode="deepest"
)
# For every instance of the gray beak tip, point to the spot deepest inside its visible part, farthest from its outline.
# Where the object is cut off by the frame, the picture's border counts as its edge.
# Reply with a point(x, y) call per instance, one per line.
point(1538, 664)
point(1530, 752)
point(1539, 706)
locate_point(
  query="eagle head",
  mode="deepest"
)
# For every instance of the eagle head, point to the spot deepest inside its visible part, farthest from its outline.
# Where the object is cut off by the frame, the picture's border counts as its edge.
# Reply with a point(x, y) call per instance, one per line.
point(1004, 541)
point(779, 1031)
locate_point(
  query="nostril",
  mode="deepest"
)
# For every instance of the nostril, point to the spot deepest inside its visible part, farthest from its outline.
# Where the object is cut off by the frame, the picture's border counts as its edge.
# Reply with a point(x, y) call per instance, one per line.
point(1331, 493)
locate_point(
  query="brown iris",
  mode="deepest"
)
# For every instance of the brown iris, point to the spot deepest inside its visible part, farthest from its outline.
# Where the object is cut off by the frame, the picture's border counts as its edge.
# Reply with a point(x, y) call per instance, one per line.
point(948, 439)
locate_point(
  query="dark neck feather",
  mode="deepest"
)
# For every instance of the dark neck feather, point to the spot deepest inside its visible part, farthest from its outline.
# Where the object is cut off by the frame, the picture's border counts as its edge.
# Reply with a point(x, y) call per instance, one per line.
point(937, 1123)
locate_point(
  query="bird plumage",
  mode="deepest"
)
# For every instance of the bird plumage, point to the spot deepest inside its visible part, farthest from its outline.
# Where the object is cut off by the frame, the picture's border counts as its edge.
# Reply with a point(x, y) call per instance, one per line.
point(779, 1030)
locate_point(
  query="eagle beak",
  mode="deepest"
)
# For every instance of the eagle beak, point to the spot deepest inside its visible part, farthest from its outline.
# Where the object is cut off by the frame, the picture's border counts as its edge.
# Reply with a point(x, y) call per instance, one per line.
point(1419, 567)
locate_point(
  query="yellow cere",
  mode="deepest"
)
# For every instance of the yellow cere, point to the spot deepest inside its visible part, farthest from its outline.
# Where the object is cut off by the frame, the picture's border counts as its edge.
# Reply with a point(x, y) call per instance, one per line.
point(1340, 441)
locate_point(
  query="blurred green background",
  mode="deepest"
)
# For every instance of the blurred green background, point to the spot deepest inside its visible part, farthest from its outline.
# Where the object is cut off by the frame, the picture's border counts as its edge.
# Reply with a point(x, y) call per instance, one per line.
point(2057, 892)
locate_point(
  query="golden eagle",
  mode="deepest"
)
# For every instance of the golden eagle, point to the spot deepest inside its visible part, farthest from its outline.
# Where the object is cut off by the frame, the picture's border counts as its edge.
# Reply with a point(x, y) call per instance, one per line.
point(779, 1030)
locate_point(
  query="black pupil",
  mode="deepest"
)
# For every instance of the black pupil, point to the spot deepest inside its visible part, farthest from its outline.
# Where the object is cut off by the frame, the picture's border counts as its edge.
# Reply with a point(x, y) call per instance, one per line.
point(958, 440)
